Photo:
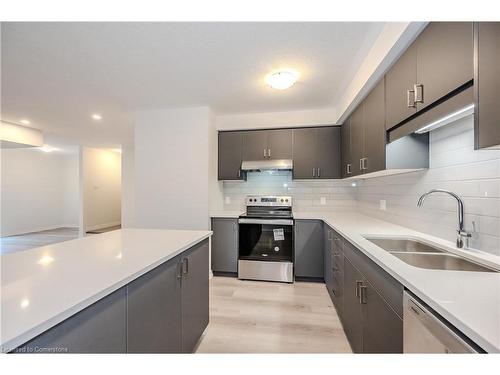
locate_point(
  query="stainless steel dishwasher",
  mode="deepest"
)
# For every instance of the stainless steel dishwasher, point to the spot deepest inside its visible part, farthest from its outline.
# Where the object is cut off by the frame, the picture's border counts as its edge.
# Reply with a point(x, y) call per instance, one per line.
point(425, 332)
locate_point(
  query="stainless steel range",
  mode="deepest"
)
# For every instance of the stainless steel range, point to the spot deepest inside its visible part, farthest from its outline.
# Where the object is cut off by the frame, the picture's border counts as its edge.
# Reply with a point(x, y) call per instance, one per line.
point(266, 239)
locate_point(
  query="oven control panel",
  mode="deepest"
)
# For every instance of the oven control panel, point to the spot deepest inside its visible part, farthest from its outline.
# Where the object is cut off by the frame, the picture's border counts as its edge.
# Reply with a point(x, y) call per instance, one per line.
point(268, 200)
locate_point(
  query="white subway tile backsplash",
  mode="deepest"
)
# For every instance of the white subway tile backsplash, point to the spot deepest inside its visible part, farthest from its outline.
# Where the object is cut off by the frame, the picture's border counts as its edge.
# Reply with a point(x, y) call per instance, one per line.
point(454, 165)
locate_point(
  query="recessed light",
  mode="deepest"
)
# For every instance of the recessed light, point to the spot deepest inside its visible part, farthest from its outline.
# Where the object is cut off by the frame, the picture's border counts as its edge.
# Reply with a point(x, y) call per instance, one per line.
point(25, 303)
point(47, 148)
point(282, 79)
point(97, 117)
point(25, 122)
point(45, 260)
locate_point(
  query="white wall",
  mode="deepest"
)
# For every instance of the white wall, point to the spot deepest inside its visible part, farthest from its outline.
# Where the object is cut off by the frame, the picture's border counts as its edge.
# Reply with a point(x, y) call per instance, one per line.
point(173, 168)
point(288, 119)
point(128, 186)
point(101, 188)
point(38, 190)
point(454, 165)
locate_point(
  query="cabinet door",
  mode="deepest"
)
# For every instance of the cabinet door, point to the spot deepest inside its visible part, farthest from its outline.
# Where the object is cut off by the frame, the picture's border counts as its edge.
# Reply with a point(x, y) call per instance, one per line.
point(352, 313)
point(309, 248)
point(398, 80)
point(444, 59)
point(382, 327)
point(327, 257)
point(487, 84)
point(225, 245)
point(328, 152)
point(194, 295)
point(304, 153)
point(99, 328)
point(280, 144)
point(374, 130)
point(229, 155)
point(357, 139)
point(346, 149)
point(154, 310)
point(255, 145)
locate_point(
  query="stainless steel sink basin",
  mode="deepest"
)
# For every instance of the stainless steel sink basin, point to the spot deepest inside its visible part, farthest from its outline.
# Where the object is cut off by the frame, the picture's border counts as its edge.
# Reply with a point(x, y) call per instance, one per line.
point(403, 245)
point(419, 254)
point(440, 262)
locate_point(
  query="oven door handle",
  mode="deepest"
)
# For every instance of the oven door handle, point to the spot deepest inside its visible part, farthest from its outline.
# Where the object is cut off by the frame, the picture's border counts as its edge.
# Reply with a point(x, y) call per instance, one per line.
point(266, 221)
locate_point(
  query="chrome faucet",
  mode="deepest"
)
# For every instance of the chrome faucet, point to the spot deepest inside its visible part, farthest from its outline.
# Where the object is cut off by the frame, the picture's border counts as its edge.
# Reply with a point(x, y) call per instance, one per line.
point(461, 233)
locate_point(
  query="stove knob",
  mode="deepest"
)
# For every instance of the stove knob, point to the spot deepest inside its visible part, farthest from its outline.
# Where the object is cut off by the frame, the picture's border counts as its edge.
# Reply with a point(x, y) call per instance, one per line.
point(286, 200)
point(282, 200)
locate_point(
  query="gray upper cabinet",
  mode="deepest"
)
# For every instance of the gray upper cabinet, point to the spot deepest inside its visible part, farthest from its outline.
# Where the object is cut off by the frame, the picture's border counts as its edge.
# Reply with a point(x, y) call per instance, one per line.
point(487, 84)
point(255, 145)
point(399, 81)
point(309, 248)
point(99, 328)
point(374, 130)
point(317, 153)
point(357, 139)
point(267, 144)
point(154, 310)
point(195, 295)
point(279, 144)
point(346, 148)
point(304, 155)
point(329, 152)
point(438, 62)
point(225, 245)
point(230, 155)
point(444, 60)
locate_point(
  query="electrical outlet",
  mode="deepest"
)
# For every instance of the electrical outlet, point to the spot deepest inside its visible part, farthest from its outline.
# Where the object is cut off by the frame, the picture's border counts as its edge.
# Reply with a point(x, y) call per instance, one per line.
point(323, 201)
point(227, 200)
point(383, 204)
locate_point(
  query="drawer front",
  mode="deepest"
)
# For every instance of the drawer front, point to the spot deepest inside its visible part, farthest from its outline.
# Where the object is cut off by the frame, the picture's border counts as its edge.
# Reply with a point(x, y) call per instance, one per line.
point(387, 286)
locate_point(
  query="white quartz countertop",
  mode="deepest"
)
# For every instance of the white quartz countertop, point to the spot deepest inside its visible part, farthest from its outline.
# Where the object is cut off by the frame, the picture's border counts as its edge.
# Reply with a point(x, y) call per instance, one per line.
point(43, 286)
point(468, 300)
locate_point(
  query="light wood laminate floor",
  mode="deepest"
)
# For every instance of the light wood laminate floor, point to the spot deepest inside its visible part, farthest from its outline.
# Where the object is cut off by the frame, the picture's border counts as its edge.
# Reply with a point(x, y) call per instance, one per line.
point(27, 241)
point(265, 317)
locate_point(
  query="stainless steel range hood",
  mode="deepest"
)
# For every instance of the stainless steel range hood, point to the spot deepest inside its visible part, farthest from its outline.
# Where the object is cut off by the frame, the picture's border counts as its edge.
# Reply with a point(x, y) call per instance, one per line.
point(267, 165)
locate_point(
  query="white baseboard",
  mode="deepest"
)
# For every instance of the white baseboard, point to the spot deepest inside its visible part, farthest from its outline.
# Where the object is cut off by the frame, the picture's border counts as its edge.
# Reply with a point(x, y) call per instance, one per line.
point(101, 226)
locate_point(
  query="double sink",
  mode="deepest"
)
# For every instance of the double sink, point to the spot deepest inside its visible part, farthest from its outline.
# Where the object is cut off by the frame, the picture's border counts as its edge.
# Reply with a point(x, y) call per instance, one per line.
point(419, 254)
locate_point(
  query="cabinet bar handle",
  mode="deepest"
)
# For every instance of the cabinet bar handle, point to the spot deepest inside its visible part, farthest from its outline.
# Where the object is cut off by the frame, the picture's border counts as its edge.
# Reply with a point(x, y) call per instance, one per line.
point(358, 286)
point(319, 172)
point(418, 88)
point(185, 266)
point(268, 152)
point(348, 168)
point(409, 102)
point(239, 173)
point(265, 153)
point(314, 172)
point(362, 294)
point(361, 164)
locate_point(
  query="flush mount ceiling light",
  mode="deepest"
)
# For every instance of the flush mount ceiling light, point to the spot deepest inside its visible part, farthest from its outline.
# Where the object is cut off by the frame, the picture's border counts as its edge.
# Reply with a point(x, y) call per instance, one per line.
point(96, 117)
point(282, 79)
point(25, 122)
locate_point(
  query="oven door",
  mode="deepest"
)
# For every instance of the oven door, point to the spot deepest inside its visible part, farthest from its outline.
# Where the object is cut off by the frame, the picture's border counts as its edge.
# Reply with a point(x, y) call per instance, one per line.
point(269, 240)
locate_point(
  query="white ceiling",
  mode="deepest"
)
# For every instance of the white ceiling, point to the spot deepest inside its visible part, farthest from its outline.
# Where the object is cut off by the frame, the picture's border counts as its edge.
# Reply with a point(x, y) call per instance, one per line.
point(57, 74)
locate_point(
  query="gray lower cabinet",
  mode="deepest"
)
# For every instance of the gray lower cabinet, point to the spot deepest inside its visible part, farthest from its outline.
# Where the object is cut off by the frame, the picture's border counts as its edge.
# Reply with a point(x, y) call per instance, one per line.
point(230, 155)
point(309, 248)
point(327, 258)
point(154, 310)
point(225, 245)
point(195, 297)
point(162, 311)
point(99, 328)
point(487, 84)
point(372, 305)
